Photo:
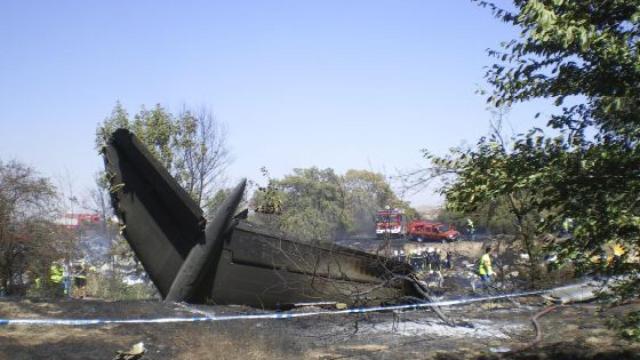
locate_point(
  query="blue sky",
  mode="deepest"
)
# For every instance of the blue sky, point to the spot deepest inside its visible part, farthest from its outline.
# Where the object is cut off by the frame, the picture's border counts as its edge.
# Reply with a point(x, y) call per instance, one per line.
point(341, 84)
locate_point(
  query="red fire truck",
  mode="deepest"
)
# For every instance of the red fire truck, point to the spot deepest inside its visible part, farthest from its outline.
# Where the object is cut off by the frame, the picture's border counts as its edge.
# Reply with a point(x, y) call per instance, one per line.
point(74, 220)
point(420, 230)
point(391, 223)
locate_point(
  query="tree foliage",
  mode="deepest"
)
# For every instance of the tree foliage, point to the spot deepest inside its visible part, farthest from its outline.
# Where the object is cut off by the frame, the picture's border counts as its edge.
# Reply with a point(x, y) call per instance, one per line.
point(368, 192)
point(582, 55)
point(319, 204)
point(29, 240)
point(191, 145)
point(493, 217)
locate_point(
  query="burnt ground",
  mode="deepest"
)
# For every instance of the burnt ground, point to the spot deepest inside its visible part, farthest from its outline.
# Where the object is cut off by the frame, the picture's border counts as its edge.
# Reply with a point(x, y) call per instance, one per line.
point(489, 331)
point(461, 249)
point(572, 332)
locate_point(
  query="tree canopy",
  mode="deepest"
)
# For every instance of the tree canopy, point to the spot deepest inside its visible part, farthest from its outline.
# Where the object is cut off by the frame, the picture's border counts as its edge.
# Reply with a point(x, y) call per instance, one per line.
point(583, 56)
point(319, 204)
point(29, 239)
point(192, 145)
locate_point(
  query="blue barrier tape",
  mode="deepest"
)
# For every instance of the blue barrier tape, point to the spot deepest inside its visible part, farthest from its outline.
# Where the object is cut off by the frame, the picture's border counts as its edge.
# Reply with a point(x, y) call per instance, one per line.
point(278, 315)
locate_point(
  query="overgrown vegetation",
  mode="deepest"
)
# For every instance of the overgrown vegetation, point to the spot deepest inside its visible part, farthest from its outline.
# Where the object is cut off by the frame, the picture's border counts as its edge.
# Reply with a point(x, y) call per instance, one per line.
point(584, 176)
point(29, 239)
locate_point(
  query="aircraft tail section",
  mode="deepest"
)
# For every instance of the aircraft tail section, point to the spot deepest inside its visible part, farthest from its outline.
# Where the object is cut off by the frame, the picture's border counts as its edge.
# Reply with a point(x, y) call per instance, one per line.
point(165, 223)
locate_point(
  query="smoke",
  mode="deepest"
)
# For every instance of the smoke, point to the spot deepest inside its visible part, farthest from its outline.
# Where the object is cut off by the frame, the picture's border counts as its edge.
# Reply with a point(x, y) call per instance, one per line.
point(93, 244)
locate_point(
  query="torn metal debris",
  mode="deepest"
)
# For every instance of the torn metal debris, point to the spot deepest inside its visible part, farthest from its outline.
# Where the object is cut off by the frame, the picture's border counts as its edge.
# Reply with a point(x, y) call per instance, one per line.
point(230, 260)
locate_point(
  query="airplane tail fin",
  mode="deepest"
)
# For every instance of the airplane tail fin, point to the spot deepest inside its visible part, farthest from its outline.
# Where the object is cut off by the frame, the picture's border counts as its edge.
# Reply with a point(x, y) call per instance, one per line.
point(168, 223)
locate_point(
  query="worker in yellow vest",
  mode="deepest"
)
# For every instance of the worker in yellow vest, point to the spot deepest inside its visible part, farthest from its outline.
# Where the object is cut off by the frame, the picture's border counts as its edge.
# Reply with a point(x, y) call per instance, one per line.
point(56, 276)
point(484, 266)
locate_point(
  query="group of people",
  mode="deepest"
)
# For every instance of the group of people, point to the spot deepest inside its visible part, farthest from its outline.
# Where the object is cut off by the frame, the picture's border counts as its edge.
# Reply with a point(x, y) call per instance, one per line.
point(428, 260)
point(68, 279)
point(431, 260)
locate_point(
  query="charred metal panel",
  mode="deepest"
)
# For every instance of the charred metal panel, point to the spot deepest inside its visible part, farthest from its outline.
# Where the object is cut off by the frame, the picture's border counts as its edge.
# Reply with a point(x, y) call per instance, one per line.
point(270, 288)
point(251, 246)
point(265, 270)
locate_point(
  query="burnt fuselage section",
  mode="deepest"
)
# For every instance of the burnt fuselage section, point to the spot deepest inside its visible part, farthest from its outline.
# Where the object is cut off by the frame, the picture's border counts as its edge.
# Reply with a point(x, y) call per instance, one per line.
point(227, 260)
point(263, 269)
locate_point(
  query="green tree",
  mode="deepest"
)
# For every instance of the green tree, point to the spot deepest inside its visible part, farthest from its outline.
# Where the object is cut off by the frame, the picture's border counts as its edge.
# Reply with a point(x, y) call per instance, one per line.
point(192, 145)
point(313, 204)
point(29, 240)
point(319, 204)
point(492, 217)
point(157, 129)
point(583, 56)
point(119, 118)
point(485, 182)
point(368, 192)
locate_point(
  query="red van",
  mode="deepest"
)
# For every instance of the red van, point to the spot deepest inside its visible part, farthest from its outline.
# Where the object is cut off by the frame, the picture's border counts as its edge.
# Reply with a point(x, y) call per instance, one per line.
point(420, 230)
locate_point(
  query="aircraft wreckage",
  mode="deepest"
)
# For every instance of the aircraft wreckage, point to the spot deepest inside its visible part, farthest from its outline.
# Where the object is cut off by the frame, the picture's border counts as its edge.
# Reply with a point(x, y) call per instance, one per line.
point(229, 260)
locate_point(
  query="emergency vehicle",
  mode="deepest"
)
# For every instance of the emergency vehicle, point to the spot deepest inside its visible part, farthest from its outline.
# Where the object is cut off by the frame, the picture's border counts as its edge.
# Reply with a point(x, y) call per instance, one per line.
point(421, 230)
point(391, 223)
